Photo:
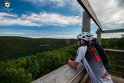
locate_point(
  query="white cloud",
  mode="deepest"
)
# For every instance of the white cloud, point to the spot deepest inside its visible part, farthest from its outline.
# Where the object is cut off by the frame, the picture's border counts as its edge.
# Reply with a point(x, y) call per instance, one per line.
point(109, 11)
point(35, 34)
point(112, 35)
point(54, 36)
point(41, 19)
point(7, 15)
point(18, 21)
point(14, 33)
point(11, 33)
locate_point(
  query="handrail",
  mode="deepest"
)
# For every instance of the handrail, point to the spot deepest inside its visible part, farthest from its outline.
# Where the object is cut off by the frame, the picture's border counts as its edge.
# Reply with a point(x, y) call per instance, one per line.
point(87, 7)
point(64, 74)
point(116, 58)
point(78, 74)
point(113, 31)
point(114, 52)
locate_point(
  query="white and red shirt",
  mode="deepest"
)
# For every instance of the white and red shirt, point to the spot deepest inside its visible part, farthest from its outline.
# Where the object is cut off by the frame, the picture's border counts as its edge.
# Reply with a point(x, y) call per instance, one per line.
point(96, 70)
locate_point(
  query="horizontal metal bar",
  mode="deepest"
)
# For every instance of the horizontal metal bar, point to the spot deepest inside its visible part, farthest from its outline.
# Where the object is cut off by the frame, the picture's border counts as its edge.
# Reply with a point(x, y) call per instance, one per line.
point(114, 52)
point(113, 31)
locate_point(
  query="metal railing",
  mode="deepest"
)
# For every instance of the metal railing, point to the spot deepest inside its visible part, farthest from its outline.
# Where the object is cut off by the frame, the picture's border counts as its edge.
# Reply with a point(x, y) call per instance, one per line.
point(116, 58)
point(65, 74)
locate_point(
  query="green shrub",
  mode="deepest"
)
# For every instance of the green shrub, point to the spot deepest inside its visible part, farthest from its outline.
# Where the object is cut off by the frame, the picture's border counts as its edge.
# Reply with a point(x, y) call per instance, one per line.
point(11, 75)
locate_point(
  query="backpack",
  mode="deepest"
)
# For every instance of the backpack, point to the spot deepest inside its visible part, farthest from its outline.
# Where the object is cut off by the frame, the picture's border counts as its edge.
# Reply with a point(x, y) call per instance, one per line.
point(102, 54)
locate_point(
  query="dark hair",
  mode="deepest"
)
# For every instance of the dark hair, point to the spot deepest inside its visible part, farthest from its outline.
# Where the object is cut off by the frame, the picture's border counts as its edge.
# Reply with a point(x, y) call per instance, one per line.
point(88, 43)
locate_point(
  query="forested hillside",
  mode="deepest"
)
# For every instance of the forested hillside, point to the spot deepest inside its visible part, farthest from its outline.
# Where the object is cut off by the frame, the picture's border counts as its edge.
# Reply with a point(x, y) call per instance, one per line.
point(11, 47)
point(15, 47)
point(113, 43)
point(24, 70)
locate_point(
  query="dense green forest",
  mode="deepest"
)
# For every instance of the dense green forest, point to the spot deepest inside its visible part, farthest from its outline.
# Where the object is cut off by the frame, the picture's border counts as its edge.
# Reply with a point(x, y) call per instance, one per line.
point(14, 47)
point(26, 69)
point(113, 43)
point(11, 47)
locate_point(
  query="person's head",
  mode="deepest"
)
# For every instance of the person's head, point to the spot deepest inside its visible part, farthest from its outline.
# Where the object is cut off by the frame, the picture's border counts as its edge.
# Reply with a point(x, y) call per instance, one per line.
point(84, 38)
point(94, 40)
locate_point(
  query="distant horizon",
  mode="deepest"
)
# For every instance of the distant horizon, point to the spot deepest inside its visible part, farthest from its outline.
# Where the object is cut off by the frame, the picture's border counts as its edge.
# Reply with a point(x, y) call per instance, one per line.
point(36, 38)
point(51, 38)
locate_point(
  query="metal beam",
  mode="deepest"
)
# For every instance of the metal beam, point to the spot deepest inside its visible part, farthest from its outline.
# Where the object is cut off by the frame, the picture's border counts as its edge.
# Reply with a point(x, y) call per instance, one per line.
point(113, 31)
point(114, 52)
point(87, 7)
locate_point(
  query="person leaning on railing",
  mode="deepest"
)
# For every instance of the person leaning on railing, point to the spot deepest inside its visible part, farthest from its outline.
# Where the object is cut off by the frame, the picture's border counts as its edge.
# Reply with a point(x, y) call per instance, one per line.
point(102, 53)
point(88, 55)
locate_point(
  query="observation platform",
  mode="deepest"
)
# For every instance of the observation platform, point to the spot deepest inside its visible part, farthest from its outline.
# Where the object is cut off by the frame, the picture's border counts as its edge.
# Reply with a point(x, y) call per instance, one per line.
point(65, 74)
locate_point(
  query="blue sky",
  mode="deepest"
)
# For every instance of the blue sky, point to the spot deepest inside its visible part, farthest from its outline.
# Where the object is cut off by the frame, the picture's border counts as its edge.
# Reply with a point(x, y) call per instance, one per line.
point(56, 18)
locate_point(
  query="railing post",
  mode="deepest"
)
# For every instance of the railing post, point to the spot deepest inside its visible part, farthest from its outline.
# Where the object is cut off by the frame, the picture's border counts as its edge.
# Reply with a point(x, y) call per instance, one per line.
point(86, 22)
point(98, 32)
